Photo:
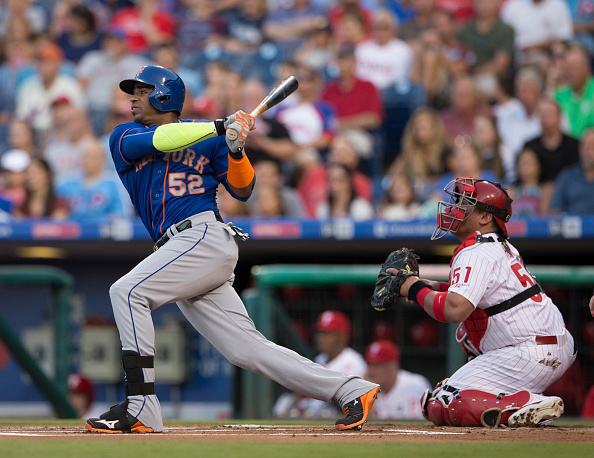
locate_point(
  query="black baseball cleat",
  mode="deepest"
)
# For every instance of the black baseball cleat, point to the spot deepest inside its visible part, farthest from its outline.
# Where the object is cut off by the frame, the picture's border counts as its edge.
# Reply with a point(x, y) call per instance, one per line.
point(357, 410)
point(117, 420)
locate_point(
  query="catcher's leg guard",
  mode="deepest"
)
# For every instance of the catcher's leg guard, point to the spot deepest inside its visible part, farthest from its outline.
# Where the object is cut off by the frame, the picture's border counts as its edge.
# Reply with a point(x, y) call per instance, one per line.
point(134, 379)
point(477, 408)
point(437, 412)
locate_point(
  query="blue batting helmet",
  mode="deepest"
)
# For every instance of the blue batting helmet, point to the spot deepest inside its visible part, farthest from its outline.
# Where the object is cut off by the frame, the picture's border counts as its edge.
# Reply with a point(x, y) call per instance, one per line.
point(169, 90)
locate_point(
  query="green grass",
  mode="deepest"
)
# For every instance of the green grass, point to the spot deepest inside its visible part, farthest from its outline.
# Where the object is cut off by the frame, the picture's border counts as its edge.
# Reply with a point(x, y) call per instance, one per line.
point(173, 449)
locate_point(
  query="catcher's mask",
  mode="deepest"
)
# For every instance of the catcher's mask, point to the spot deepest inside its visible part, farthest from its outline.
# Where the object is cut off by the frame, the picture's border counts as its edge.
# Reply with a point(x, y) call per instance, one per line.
point(466, 194)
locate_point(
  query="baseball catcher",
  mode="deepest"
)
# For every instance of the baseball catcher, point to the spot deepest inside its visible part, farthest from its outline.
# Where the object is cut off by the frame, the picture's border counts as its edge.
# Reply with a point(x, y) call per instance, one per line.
point(512, 332)
point(402, 263)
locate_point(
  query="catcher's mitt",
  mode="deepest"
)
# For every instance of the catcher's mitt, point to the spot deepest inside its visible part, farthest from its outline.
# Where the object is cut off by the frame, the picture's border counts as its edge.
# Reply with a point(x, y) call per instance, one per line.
point(387, 287)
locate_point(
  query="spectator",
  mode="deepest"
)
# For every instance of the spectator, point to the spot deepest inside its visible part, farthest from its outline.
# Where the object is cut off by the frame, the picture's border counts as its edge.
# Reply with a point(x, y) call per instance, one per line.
point(574, 186)
point(526, 191)
point(268, 173)
point(13, 166)
point(144, 24)
point(554, 69)
point(421, 22)
point(507, 109)
point(333, 334)
point(40, 199)
point(401, 390)
point(211, 103)
point(311, 121)
point(36, 94)
point(290, 24)
point(95, 194)
point(383, 59)
point(583, 23)
point(270, 140)
point(491, 40)
point(353, 7)
point(80, 35)
point(576, 97)
point(357, 103)
point(66, 140)
point(99, 73)
point(440, 58)
point(313, 186)
point(399, 202)
point(17, 65)
point(404, 10)
point(554, 148)
point(317, 50)
point(342, 201)
point(461, 10)
point(21, 135)
point(424, 149)
point(31, 13)
point(200, 28)
point(537, 23)
point(166, 55)
point(229, 207)
point(522, 124)
point(466, 161)
point(351, 30)
point(496, 155)
point(467, 103)
point(246, 33)
point(268, 202)
point(81, 394)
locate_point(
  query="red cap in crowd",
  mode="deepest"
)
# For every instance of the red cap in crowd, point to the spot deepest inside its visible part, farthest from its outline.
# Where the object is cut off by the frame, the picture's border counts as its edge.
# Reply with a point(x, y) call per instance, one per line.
point(334, 321)
point(382, 351)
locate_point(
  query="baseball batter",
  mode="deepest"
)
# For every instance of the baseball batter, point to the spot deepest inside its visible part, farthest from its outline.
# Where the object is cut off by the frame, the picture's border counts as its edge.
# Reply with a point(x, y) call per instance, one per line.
point(171, 169)
point(513, 333)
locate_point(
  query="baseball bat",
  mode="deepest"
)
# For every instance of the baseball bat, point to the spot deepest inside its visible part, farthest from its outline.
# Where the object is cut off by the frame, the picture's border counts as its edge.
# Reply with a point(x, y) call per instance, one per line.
point(283, 90)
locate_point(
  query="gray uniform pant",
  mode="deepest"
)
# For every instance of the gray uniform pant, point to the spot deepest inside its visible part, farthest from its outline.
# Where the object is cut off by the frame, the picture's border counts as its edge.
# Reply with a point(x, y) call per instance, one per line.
point(195, 270)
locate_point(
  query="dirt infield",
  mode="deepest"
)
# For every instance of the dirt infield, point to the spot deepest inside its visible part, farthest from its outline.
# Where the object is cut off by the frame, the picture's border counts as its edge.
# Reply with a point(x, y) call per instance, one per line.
point(371, 433)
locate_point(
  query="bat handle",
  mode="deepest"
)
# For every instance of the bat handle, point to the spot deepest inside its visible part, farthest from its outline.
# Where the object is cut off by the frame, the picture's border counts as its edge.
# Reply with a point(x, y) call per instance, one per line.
point(231, 134)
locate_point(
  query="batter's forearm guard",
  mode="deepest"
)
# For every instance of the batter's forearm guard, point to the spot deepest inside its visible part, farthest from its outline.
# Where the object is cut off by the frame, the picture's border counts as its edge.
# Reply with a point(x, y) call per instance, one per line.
point(181, 135)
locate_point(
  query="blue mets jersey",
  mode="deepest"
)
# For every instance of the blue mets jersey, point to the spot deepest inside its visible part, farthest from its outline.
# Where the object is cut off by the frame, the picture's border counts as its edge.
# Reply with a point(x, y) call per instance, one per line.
point(167, 188)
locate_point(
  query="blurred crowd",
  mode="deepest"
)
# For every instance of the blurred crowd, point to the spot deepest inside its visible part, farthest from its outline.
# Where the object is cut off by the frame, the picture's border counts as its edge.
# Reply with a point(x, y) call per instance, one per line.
point(395, 98)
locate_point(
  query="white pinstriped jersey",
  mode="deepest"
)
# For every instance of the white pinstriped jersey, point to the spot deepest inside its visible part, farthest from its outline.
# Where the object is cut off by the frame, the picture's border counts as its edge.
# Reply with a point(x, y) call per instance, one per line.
point(486, 274)
point(402, 401)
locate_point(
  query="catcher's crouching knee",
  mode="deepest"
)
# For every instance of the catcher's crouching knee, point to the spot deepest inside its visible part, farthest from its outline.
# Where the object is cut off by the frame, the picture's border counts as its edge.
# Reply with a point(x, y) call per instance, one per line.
point(437, 412)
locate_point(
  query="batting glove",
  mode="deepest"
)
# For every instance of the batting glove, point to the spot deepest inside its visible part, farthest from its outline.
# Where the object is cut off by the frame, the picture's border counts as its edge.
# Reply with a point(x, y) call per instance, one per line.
point(246, 118)
point(236, 146)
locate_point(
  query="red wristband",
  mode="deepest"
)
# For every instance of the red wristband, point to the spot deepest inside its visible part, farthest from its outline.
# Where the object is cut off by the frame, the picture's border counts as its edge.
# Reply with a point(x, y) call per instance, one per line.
point(443, 286)
point(439, 306)
point(421, 295)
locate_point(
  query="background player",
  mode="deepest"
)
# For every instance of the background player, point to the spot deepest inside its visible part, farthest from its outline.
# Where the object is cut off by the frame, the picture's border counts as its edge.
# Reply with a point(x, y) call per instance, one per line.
point(515, 334)
point(400, 389)
point(332, 338)
point(171, 169)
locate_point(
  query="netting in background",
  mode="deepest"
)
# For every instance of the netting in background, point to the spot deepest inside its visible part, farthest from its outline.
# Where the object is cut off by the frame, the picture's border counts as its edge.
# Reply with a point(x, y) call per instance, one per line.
point(288, 299)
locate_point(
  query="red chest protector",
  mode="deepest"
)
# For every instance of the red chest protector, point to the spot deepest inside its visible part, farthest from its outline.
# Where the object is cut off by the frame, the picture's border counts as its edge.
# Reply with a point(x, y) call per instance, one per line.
point(476, 326)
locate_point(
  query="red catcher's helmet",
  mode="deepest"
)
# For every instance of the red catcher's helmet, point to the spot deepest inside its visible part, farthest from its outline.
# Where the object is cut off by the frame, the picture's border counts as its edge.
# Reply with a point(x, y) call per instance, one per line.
point(465, 195)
